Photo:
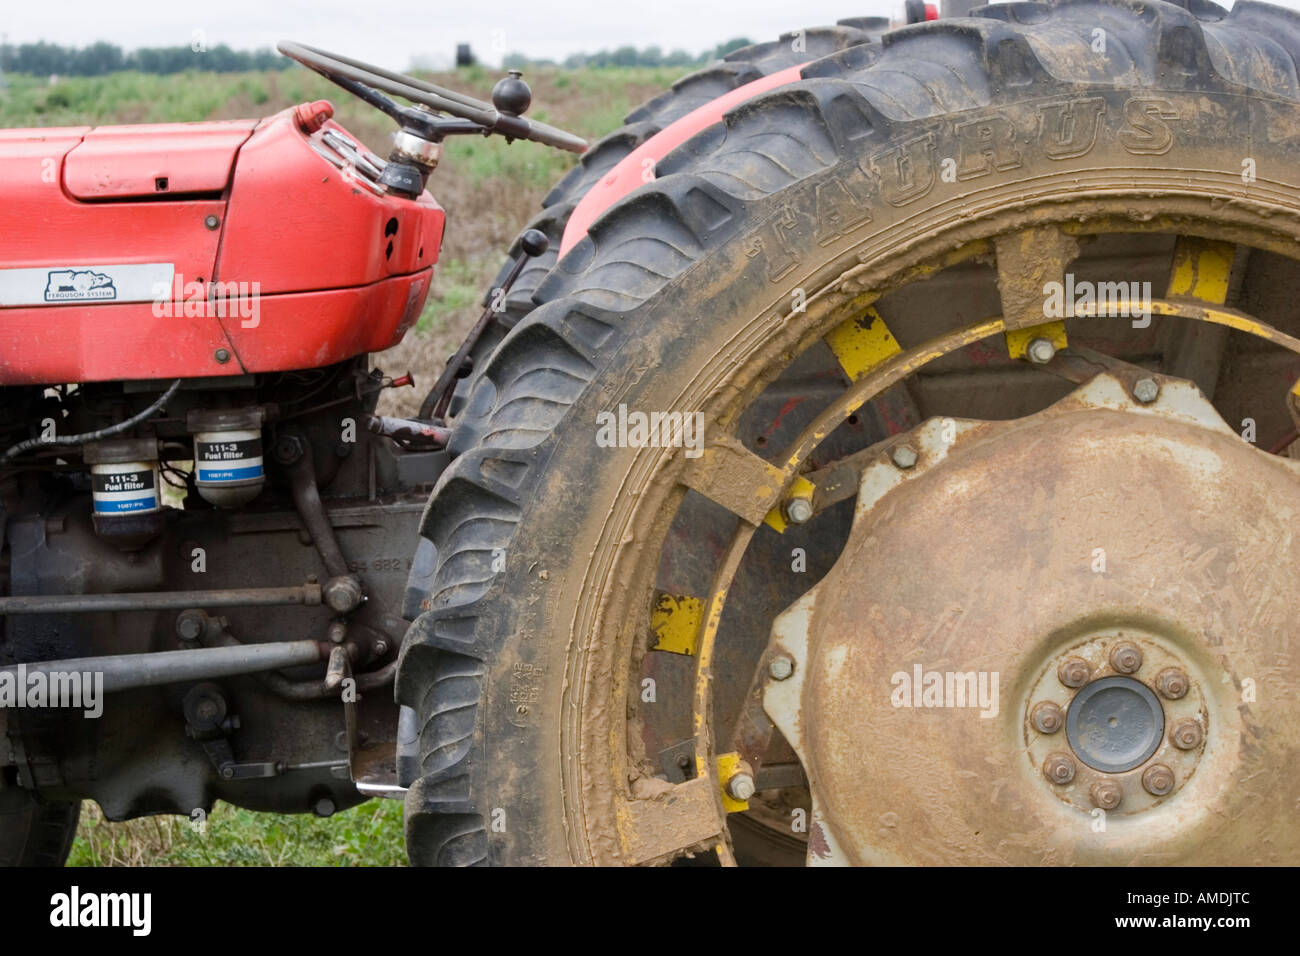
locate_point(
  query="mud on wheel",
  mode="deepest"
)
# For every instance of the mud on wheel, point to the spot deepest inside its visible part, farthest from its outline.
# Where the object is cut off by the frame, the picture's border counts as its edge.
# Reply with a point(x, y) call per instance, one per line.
point(971, 554)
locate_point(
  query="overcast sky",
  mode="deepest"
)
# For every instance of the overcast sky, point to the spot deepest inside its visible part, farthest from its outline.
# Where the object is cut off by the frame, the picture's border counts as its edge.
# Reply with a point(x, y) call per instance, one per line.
point(394, 32)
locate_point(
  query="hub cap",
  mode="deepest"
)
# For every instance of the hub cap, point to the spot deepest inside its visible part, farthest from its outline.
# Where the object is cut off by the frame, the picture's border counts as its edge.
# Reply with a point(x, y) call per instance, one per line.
point(1115, 723)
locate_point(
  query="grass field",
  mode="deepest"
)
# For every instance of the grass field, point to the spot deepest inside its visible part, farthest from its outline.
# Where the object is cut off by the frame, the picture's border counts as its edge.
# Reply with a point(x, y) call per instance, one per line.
point(489, 189)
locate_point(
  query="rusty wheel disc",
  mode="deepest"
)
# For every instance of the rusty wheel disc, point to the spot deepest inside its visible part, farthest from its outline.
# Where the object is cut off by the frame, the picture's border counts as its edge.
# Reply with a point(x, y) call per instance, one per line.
point(1038, 644)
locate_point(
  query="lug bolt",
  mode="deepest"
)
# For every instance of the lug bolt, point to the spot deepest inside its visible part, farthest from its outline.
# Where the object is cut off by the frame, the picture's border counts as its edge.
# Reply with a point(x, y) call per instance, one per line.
point(1172, 683)
point(781, 667)
point(1040, 351)
point(798, 510)
point(1146, 390)
point(1126, 658)
point(1058, 768)
point(190, 624)
point(1187, 734)
point(903, 456)
point(1046, 717)
point(740, 787)
point(1106, 794)
point(1158, 780)
point(1074, 672)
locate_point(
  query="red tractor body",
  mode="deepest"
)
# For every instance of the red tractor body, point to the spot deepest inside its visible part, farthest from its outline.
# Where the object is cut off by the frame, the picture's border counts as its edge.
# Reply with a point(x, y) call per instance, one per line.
point(200, 249)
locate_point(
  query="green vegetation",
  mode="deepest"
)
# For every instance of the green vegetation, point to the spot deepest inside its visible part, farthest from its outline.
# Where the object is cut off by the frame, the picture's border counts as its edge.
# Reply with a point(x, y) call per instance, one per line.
point(458, 288)
point(630, 56)
point(101, 59)
point(128, 97)
point(368, 835)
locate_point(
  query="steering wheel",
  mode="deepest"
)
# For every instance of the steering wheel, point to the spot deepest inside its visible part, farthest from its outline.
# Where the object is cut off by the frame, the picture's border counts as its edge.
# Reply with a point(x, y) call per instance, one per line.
point(365, 80)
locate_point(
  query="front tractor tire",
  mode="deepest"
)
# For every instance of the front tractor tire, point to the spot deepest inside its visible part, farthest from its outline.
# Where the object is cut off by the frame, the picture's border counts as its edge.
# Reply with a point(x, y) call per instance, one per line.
point(838, 262)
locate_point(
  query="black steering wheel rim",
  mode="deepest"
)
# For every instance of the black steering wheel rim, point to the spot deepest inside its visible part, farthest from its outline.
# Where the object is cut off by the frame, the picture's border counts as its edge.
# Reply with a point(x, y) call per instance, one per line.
point(337, 68)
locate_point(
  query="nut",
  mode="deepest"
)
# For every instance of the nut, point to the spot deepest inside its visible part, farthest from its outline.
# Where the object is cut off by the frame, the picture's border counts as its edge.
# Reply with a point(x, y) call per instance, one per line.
point(1126, 658)
point(1047, 717)
point(190, 624)
point(343, 593)
point(1074, 672)
point(903, 456)
point(1158, 780)
point(1040, 351)
point(781, 667)
point(1106, 794)
point(1172, 683)
point(1146, 390)
point(1058, 768)
point(1187, 734)
point(798, 510)
point(740, 787)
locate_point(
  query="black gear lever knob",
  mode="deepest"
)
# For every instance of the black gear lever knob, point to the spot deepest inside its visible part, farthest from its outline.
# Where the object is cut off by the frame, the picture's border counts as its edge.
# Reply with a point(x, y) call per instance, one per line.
point(511, 95)
point(534, 242)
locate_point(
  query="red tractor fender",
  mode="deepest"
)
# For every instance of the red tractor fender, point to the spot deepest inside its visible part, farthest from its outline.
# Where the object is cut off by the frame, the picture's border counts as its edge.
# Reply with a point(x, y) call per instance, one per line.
point(637, 167)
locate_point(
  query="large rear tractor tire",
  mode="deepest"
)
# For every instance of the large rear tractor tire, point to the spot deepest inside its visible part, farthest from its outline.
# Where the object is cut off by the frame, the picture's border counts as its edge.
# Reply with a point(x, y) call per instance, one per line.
point(847, 282)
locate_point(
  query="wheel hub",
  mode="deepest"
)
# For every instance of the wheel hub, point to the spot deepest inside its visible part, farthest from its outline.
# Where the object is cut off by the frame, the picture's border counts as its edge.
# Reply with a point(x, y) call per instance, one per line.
point(1114, 724)
point(1045, 641)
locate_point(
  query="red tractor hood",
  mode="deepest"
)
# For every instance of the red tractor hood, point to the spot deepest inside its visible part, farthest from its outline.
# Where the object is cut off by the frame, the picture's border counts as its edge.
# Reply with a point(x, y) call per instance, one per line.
point(199, 249)
point(121, 162)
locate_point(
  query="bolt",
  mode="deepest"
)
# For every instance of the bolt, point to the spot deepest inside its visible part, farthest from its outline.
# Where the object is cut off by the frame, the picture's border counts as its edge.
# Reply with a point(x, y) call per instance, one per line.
point(1145, 390)
point(1172, 683)
point(1126, 658)
point(189, 624)
point(380, 648)
point(1187, 734)
point(781, 667)
point(211, 222)
point(1046, 717)
point(324, 807)
point(1040, 351)
point(740, 787)
point(1158, 780)
point(798, 510)
point(1058, 768)
point(228, 772)
point(1106, 794)
point(904, 456)
point(222, 356)
point(343, 593)
point(1074, 672)
point(288, 449)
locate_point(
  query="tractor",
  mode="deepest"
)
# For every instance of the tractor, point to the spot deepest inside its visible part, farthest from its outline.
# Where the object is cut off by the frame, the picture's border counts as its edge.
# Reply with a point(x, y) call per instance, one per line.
point(878, 451)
